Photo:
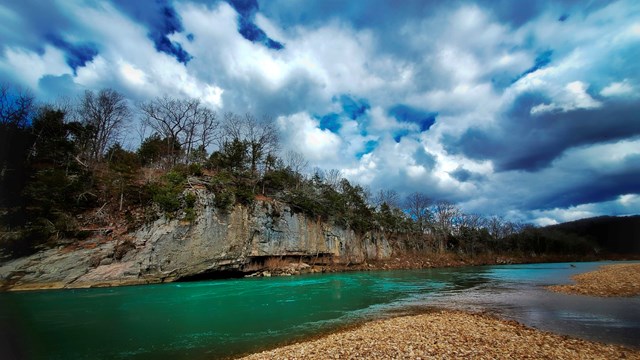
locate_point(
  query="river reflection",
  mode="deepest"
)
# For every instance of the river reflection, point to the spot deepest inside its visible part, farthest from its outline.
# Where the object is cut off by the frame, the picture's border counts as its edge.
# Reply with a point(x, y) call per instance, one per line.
point(518, 292)
point(222, 318)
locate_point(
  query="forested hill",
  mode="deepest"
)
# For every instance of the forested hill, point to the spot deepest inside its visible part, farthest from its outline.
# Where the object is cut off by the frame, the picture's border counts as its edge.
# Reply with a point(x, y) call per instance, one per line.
point(612, 234)
point(66, 178)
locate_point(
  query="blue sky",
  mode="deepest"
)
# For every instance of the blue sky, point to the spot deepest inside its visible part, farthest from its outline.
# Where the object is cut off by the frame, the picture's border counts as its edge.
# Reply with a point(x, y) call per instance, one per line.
point(525, 109)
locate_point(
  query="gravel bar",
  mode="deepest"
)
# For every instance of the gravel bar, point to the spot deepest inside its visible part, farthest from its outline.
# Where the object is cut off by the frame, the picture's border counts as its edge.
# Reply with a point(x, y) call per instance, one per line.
point(447, 335)
point(606, 281)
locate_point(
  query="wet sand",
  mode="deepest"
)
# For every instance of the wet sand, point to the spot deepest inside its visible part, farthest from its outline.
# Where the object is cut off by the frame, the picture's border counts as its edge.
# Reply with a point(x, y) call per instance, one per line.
point(606, 281)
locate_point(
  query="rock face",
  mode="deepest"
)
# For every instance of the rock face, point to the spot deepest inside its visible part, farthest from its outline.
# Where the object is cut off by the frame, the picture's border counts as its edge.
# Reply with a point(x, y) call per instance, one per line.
point(168, 250)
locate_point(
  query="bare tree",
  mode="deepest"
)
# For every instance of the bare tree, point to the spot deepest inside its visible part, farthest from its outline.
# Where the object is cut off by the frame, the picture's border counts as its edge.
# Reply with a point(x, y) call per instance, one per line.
point(446, 214)
point(260, 136)
point(389, 197)
point(332, 178)
point(65, 104)
point(169, 118)
point(469, 231)
point(295, 161)
point(16, 105)
point(183, 123)
point(208, 127)
point(418, 204)
point(141, 129)
point(104, 115)
point(472, 221)
point(495, 225)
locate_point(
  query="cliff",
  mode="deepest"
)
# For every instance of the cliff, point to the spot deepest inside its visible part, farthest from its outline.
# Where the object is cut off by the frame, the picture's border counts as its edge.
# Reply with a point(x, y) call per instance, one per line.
point(240, 241)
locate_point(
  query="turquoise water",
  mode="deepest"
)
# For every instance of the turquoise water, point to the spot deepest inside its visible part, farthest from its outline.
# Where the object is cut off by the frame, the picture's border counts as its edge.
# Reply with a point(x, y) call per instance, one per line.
point(224, 318)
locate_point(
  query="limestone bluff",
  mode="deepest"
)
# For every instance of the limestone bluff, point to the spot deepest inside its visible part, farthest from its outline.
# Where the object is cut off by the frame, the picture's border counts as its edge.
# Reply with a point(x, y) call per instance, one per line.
point(166, 250)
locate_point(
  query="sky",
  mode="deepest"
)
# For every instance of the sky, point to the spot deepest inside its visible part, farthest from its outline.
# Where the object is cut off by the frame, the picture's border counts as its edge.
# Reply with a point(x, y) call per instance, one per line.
point(524, 109)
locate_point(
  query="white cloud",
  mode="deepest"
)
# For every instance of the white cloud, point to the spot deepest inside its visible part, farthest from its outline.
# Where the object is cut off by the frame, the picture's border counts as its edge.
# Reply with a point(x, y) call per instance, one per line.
point(629, 200)
point(614, 89)
point(333, 59)
point(129, 58)
point(321, 147)
point(545, 221)
point(459, 61)
point(574, 97)
point(578, 98)
point(624, 205)
point(31, 66)
point(603, 158)
point(132, 74)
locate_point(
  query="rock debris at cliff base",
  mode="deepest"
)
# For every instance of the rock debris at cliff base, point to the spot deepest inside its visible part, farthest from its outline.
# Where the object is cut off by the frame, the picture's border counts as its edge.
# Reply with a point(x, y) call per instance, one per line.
point(606, 281)
point(446, 335)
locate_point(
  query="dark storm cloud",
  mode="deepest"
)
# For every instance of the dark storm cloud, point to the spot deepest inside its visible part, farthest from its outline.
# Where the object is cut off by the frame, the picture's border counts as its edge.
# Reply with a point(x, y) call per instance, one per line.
point(161, 20)
point(521, 141)
point(598, 187)
point(463, 175)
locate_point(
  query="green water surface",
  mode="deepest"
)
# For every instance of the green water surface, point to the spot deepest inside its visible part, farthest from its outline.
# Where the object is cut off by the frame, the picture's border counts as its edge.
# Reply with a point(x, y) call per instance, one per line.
point(225, 318)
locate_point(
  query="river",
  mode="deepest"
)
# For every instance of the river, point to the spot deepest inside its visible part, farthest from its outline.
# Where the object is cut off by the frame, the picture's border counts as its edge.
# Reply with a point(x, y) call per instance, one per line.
point(224, 318)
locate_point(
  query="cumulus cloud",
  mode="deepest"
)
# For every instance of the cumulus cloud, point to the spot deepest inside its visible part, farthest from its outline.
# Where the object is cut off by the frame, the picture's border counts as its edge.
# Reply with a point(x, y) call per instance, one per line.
point(29, 66)
point(303, 133)
point(525, 110)
point(621, 88)
point(573, 97)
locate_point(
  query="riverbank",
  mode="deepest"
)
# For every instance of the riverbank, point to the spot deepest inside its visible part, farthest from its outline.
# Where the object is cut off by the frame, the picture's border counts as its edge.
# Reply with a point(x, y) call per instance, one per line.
point(446, 335)
point(606, 281)
point(116, 274)
point(430, 261)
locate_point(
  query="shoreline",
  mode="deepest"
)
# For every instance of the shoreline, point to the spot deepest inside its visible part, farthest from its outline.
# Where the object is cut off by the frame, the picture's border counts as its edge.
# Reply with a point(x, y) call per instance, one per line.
point(407, 262)
point(444, 334)
point(429, 261)
point(438, 333)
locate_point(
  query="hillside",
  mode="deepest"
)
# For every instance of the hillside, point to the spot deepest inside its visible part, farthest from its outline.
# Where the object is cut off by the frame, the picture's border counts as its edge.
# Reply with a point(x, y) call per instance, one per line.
point(612, 234)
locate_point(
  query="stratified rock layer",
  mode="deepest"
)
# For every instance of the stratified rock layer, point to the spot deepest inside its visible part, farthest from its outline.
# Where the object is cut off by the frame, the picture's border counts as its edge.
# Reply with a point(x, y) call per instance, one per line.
point(167, 250)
